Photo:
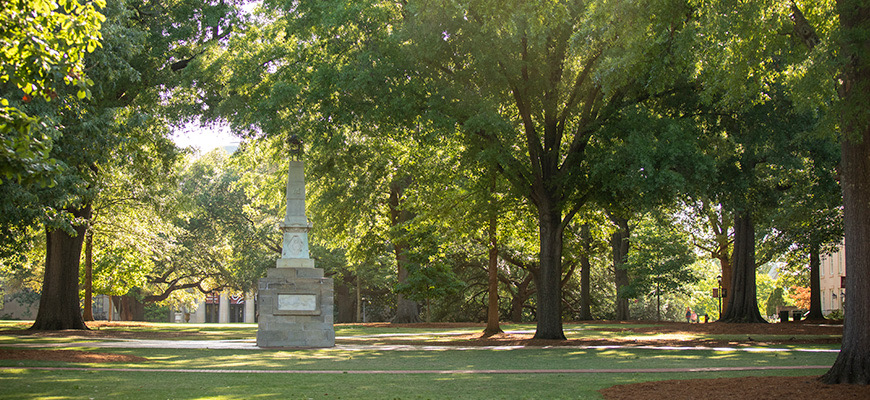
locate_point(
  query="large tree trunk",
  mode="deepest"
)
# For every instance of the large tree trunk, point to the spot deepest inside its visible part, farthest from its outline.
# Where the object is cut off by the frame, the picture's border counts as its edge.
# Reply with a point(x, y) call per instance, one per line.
point(548, 282)
point(742, 299)
point(492, 314)
point(59, 304)
point(88, 312)
point(585, 297)
point(815, 286)
point(619, 243)
point(407, 311)
point(853, 362)
point(721, 252)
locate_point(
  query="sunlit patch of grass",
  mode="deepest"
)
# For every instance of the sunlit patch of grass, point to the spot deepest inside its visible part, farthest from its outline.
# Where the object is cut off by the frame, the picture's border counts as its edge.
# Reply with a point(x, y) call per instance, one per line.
point(768, 338)
point(675, 336)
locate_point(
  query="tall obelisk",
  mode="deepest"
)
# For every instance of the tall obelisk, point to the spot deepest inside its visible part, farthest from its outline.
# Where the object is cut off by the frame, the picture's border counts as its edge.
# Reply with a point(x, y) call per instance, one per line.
point(295, 301)
point(294, 253)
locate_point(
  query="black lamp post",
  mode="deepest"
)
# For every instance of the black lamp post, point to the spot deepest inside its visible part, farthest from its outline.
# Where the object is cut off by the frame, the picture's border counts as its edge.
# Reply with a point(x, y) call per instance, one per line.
point(719, 294)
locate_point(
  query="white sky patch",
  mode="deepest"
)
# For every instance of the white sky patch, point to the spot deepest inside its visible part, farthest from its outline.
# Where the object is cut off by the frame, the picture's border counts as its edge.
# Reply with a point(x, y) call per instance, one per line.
point(204, 138)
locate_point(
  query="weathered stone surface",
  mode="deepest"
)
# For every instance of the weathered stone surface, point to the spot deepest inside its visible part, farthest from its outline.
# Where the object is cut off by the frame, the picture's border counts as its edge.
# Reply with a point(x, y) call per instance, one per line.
point(294, 263)
point(295, 326)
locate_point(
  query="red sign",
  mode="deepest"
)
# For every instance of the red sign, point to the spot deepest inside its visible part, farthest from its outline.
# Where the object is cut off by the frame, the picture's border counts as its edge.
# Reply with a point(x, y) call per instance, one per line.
point(715, 293)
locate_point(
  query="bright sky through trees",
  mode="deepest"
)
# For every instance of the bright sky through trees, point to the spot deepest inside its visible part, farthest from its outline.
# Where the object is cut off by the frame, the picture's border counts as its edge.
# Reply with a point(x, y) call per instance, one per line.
point(205, 138)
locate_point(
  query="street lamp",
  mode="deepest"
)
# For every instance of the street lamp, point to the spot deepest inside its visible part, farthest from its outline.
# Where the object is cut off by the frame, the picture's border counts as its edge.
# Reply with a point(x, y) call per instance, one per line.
point(719, 293)
point(364, 301)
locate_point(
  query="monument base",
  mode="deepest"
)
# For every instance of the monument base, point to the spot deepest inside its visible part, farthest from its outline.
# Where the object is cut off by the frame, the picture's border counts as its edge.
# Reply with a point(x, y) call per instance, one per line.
point(294, 263)
point(295, 309)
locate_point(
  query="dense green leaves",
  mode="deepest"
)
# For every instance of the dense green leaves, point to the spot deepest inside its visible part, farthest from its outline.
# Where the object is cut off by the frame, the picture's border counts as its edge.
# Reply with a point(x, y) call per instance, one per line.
point(660, 259)
point(36, 62)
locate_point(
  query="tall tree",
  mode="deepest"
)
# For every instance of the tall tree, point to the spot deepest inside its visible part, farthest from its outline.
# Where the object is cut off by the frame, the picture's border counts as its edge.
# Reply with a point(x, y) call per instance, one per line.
point(769, 55)
point(810, 218)
point(661, 259)
point(714, 235)
point(853, 362)
point(128, 71)
point(765, 144)
point(526, 88)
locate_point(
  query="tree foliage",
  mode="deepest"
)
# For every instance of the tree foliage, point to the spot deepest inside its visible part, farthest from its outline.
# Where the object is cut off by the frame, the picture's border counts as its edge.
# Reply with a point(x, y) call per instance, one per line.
point(660, 260)
point(42, 48)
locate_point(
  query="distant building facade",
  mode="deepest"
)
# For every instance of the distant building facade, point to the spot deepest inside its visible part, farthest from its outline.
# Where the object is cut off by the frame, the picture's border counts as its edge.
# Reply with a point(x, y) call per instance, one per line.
point(831, 273)
point(222, 308)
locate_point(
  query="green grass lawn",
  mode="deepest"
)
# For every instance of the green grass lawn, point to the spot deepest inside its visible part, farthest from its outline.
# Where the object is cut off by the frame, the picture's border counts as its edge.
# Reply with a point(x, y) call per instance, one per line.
point(26, 384)
point(21, 383)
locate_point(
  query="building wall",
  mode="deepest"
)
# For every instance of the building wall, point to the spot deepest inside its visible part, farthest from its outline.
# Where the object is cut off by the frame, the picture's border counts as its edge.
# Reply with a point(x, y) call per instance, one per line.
point(831, 271)
point(12, 309)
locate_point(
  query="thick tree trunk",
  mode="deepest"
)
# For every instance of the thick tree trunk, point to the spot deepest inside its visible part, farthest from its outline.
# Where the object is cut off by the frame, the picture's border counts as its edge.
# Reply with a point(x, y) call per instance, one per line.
point(619, 243)
point(548, 282)
point(59, 304)
point(722, 252)
point(492, 314)
point(88, 312)
point(815, 286)
point(585, 265)
point(407, 311)
point(853, 362)
point(742, 299)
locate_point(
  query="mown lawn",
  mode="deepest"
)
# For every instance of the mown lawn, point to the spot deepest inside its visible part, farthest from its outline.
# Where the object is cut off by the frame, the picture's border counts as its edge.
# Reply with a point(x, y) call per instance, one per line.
point(346, 372)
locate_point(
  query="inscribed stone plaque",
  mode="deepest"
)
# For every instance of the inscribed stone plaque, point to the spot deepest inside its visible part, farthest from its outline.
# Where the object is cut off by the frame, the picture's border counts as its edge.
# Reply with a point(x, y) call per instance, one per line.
point(297, 302)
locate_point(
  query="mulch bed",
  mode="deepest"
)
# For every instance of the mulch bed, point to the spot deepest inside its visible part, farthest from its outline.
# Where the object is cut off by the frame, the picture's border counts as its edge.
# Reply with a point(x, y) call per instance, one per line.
point(744, 332)
point(753, 387)
point(68, 356)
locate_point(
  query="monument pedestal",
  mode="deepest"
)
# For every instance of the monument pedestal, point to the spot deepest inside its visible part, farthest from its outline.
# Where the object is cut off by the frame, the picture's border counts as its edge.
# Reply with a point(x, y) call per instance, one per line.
point(295, 308)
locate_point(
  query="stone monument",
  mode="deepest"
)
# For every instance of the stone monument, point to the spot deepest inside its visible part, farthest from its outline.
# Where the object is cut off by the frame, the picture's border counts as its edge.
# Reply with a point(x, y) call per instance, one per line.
point(295, 301)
